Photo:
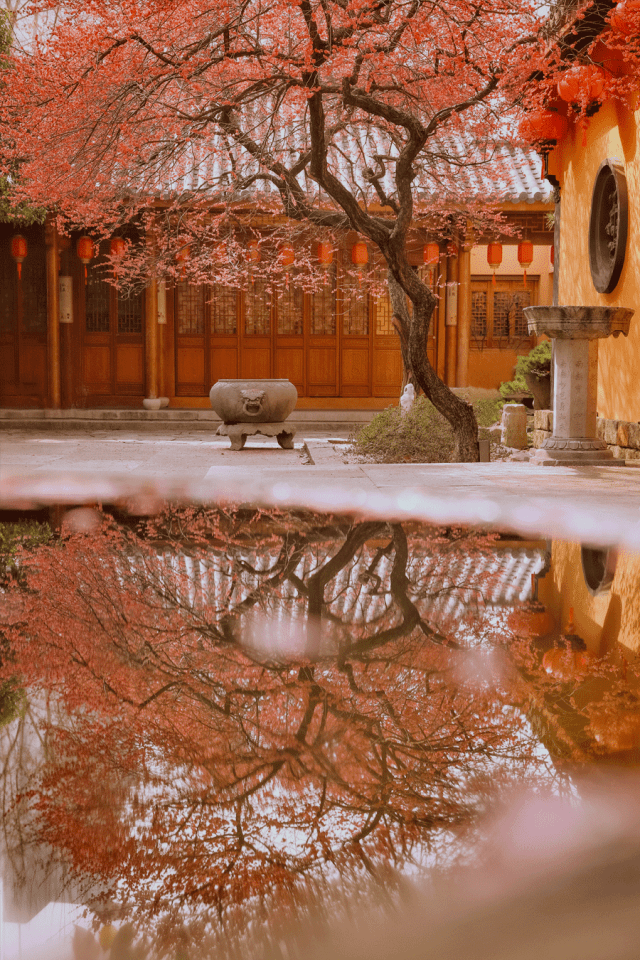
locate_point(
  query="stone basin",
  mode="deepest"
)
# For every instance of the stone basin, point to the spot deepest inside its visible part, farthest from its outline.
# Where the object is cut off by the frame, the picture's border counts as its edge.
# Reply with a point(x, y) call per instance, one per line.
point(253, 401)
point(578, 323)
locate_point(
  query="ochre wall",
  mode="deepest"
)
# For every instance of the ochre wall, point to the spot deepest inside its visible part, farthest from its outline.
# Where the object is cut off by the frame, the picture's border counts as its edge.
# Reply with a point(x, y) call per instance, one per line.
point(605, 620)
point(613, 132)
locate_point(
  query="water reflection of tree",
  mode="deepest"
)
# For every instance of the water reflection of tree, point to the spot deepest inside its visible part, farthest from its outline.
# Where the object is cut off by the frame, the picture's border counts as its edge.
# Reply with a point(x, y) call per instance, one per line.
point(192, 769)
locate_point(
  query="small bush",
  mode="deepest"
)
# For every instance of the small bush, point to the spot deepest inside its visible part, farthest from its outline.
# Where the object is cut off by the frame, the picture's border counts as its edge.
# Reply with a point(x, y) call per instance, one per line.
point(537, 361)
point(420, 436)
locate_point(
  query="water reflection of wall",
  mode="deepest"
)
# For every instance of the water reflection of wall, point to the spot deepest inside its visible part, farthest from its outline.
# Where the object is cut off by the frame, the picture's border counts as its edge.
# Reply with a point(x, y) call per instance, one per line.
point(605, 619)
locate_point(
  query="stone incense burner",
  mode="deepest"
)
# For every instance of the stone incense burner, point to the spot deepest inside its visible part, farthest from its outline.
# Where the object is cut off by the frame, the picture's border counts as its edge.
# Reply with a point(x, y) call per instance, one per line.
point(248, 407)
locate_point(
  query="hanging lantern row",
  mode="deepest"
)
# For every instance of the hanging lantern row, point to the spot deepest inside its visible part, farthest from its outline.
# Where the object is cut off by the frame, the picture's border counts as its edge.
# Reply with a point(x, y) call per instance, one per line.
point(19, 252)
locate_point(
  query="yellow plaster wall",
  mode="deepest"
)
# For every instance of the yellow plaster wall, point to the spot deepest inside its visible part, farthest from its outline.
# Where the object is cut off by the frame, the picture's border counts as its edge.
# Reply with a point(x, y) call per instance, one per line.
point(613, 132)
point(604, 621)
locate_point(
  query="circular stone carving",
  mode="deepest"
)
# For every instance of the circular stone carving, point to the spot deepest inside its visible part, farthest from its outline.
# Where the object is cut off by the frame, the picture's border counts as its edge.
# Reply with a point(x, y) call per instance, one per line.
point(608, 225)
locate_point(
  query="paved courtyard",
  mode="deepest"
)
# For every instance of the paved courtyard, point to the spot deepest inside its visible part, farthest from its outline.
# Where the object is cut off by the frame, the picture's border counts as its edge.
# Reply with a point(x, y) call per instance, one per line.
point(593, 504)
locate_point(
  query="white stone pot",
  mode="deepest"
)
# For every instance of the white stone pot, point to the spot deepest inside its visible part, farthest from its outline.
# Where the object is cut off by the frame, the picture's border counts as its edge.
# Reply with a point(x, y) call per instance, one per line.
point(253, 401)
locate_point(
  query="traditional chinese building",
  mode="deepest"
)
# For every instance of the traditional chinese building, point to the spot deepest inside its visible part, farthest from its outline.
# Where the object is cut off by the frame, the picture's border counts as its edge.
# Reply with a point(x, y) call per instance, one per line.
point(69, 338)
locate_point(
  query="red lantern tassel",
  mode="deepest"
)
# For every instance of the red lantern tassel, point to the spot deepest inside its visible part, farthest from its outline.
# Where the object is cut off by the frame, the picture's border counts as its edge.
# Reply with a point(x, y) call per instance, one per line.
point(524, 279)
point(19, 266)
point(493, 280)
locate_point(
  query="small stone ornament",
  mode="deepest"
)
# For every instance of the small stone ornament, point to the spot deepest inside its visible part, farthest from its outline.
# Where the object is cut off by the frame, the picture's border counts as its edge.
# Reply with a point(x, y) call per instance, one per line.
point(514, 426)
point(407, 399)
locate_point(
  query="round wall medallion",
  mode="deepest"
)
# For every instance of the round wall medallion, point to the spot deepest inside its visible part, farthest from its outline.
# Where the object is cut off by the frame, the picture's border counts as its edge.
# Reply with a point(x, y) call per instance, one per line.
point(608, 225)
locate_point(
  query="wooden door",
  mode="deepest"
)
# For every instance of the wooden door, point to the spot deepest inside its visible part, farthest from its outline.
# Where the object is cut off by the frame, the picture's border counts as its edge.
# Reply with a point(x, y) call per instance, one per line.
point(255, 339)
point(355, 336)
point(322, 339)
point(23, 323)
point(112, 338)
point(289, 332)
point(190, 311)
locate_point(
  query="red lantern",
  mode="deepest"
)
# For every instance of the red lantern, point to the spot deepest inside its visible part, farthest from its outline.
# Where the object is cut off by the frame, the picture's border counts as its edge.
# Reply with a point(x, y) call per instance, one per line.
point(452, 250)
point(494, 258)
point(86, 251)
point(183, 256)
point(569, 659)
point(543, 126)
point(19, 251)
point(286, 254)
point(117, 247)
point(253, 252)
point(581, 84)
point(625, 18)
point(219, 252)
point(431, 254)
point(525, 257)
point(324, 253)
point(359, 254)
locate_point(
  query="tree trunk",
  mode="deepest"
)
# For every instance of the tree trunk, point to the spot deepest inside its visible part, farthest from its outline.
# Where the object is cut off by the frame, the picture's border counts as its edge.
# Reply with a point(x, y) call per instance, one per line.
point(413, 331)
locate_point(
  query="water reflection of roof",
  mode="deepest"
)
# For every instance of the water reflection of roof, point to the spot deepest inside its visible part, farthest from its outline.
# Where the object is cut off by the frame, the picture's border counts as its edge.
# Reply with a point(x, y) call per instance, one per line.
point(441, 584)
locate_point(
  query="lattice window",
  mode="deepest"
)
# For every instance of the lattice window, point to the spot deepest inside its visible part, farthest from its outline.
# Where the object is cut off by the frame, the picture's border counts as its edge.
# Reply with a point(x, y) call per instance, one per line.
point(502, 302)
point(224, 310)
point(8, 305)
point(382, 316)
point(189, 310)
point(522, 299)
point(355, 307)
point(290, 310)
point(257, 320)
point(34, 290)
point(323, 306)
point(479, 315)
point(129, 312)
point(97, 295)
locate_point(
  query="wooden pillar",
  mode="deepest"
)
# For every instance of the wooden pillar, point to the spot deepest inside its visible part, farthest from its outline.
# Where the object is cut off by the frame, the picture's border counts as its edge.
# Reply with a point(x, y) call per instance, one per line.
point(464, 314)
point(441, 289)
point(53, 314)
point(151, 339)
point(451, 317)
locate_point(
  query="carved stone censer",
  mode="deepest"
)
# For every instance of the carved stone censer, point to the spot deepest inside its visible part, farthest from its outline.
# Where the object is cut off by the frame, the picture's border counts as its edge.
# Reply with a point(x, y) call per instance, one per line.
point(248, 407)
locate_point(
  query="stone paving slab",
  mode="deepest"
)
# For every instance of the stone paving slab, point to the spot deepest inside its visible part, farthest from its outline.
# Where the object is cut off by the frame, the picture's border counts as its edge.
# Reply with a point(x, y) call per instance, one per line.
point(598, 505)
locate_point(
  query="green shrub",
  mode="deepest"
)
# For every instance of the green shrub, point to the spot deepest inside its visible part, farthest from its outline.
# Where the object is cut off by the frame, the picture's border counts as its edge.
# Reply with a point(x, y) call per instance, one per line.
point(420, 436)
point(537, 361)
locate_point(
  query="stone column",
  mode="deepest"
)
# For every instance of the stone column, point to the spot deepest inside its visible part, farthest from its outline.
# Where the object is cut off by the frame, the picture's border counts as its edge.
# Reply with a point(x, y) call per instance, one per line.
point(451, 319)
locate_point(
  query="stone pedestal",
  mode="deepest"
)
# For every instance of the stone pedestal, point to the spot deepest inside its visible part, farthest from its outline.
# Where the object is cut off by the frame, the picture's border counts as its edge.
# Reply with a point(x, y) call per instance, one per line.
point(238, 433)
point(576, 330)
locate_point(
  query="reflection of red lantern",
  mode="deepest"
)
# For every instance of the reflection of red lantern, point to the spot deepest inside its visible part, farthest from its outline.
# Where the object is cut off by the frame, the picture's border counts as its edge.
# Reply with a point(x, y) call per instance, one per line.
point(286, 255)
point(86, 251)
point(525, 257)
point(253, 252)
point(543, 126)
point(19, 251)
point(625, 18)
point(569, 659)
point(494, 258)
point(324, 252)
point(359, 254)
point(581, 83)
point(117, 247)
point(430, 254)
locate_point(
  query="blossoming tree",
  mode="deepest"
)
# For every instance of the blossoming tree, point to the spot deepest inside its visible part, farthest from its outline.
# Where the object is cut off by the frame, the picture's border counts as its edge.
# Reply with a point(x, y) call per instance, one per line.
point(328, 115)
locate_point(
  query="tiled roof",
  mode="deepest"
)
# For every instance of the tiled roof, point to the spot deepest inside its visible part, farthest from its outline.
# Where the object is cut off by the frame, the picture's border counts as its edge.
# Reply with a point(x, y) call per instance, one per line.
point(451, 170)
